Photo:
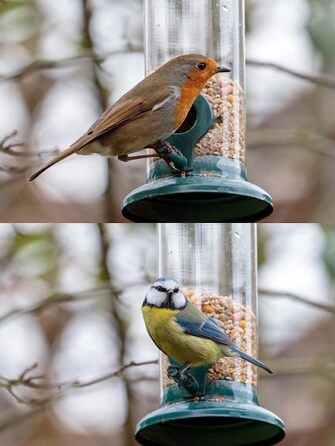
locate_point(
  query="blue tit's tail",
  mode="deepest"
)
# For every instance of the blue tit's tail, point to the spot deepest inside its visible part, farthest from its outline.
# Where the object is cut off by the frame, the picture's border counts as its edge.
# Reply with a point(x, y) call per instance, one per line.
point(251, 359)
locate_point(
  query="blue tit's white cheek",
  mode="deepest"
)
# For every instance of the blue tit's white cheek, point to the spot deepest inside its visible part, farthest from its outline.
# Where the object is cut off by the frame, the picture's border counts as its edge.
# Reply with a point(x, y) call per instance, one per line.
point(155, 297)
point(179, 300)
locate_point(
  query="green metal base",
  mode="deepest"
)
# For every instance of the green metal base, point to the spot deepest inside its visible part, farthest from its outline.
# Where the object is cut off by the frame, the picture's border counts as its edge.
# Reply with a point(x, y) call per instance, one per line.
point(210, 423)
point(216, 190)
point(238, 420)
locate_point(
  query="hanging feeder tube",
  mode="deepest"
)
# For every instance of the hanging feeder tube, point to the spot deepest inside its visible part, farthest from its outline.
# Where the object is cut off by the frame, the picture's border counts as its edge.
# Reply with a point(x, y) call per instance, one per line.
point(211, 185)
point(215, 266)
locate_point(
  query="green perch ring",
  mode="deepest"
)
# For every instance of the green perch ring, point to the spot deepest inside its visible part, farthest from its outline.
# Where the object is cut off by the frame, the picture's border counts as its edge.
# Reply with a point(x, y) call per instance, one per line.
point(210, 188)
point(228, 415)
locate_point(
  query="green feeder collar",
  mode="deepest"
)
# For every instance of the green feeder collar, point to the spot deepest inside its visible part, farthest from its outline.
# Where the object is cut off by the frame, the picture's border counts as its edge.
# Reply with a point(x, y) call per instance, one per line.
point(210, 189)
point(228, 416)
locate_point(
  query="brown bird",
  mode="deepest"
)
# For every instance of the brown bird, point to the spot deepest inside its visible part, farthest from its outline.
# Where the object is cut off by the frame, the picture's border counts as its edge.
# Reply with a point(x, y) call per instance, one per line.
point(148, 114)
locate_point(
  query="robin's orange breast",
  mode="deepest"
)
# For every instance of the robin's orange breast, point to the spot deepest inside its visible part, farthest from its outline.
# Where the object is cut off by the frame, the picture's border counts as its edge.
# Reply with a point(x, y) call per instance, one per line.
point(188, 94)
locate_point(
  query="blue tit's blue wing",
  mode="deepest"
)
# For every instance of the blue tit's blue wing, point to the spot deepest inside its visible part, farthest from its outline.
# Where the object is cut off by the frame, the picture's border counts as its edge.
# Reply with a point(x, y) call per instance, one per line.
point(202, 326)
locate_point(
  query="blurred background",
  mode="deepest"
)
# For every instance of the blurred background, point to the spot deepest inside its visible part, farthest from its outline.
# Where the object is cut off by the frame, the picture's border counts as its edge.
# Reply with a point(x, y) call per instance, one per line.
point(62, 63)
point(70, 299)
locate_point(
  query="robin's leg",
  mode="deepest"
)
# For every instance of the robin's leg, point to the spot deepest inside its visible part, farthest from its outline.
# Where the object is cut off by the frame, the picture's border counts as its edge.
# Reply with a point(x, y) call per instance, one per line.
point(167, 149)
point(126, 158)
point(163, 149)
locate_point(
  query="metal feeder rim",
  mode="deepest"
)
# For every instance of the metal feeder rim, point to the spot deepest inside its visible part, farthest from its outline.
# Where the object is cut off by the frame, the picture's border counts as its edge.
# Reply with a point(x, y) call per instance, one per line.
point(197, 199)
point(207, 422)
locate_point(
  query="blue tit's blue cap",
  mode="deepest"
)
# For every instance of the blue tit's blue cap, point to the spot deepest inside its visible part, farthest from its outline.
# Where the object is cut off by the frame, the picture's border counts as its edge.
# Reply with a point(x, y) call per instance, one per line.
point(163, 279)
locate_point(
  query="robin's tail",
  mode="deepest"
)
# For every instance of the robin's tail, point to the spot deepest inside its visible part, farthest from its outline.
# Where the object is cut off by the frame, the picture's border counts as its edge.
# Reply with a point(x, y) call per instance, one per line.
point(251, 359)
point(75, 147)
point(53, 161)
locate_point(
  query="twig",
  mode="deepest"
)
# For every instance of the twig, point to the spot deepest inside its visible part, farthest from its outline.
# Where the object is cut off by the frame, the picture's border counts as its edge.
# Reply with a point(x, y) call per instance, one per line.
point(283, 366)
point(288, 138)
point(57, 298)
point(46, 64)
point(288, 294)
point(119, 325)
point(30, 381)
point(324, 80)
point(302, 366)
point(35, 383)
point(7, 149)
point(105, 291)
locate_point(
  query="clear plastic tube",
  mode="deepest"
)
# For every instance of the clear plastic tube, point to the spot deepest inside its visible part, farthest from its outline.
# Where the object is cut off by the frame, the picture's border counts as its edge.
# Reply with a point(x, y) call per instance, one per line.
point(215, 265)
point(214, 28)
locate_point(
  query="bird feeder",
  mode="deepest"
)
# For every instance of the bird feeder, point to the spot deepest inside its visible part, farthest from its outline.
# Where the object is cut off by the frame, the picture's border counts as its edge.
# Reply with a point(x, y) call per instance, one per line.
point(211, 182)
point(215, 266)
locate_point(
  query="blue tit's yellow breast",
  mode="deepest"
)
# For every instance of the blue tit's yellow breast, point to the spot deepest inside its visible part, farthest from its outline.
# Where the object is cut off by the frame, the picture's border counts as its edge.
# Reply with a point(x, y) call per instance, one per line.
point(171, 339)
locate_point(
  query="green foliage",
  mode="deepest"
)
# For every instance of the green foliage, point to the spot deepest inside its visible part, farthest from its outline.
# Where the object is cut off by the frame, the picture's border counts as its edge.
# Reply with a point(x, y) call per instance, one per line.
point(249, 10)
point(328, 254)
point(18, 21)
point(321, 28)
point(9, 5)
point(263, 239)
point(33, 253)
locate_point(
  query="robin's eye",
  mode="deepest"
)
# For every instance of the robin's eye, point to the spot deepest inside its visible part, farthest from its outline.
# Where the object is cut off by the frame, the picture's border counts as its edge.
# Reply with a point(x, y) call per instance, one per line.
point(201, 66)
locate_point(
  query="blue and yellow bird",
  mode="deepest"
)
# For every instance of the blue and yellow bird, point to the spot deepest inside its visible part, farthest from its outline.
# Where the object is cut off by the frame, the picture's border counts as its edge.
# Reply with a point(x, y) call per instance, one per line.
point(181, 331)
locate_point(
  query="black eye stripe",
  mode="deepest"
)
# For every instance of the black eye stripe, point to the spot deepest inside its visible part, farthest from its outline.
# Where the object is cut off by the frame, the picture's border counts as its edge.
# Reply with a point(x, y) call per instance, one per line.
point(160, 288)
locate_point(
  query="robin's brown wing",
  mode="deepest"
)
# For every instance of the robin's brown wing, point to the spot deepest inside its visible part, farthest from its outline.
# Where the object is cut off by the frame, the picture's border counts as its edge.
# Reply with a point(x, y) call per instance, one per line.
point(129, 107)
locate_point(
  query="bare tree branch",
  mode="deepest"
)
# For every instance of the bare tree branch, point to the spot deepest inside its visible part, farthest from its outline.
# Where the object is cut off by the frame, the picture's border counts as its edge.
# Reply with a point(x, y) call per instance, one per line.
point(302, 366)
point(58, 298)
point(288, 138)
point(46, 64)
point(288, 294)
point(324, 80)
point(7, 149)
point(283, 366)
point(120, 326)
point(104, 291)
point(37, 382)
point(58, 389)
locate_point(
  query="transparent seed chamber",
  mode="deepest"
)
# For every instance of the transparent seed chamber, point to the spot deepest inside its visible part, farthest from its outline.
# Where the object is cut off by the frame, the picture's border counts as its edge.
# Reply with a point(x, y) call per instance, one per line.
point(210, 183)
point(214, 265)
point(213, 28)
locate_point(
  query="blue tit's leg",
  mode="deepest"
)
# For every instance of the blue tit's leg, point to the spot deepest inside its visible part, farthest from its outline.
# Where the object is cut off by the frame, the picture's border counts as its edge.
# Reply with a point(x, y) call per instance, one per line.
point(189, 381)
point(181, 375)
point(174, 372)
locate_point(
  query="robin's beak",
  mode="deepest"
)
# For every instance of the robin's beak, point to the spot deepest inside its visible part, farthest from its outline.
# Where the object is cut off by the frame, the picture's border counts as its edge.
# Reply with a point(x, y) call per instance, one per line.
point(223, 70)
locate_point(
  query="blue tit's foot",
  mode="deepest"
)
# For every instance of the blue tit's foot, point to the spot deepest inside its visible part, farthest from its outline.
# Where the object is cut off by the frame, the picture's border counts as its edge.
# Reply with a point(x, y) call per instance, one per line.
point(189, 382)
point(182, 376)
point(173, 372)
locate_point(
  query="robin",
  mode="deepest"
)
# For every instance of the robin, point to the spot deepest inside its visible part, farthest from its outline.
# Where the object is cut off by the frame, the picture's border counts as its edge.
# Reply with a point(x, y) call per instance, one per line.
point(146, 115)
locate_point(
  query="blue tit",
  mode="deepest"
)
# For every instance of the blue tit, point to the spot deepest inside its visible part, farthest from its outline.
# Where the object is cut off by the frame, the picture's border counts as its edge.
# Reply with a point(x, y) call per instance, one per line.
point(181, 331)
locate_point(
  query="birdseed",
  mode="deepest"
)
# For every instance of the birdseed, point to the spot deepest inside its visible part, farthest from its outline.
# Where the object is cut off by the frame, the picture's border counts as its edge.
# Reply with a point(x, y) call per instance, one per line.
point(239, 323)
point(226, 137)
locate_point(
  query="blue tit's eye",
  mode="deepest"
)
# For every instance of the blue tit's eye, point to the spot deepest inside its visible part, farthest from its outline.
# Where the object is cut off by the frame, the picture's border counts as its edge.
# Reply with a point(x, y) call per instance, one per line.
point(160, 288)
point(176, 290)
